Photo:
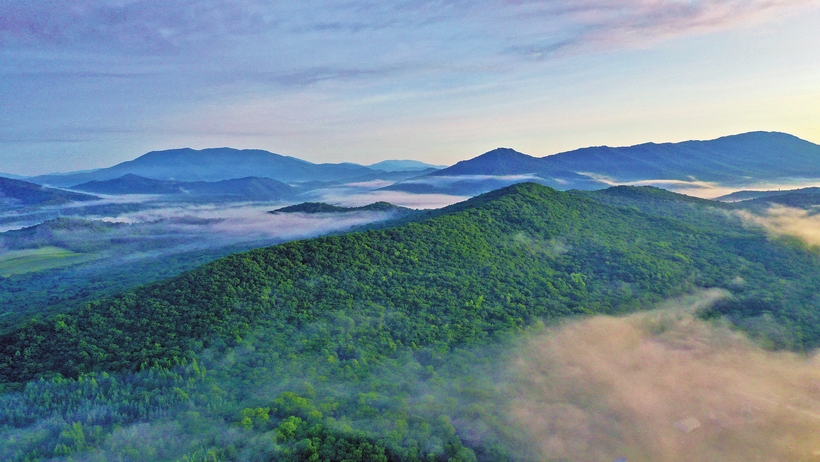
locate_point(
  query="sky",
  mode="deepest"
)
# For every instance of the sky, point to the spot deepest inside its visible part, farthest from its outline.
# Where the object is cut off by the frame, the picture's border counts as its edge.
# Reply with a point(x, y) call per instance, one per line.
point(90, 83)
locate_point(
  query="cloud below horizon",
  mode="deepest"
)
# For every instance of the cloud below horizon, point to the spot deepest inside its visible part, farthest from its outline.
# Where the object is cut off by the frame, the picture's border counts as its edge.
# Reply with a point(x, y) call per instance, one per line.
point(788, 221)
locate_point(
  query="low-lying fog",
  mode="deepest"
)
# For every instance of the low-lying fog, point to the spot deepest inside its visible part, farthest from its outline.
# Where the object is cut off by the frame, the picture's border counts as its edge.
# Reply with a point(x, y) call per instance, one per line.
point(185, 226)
point(664, 386)
point(788, 221)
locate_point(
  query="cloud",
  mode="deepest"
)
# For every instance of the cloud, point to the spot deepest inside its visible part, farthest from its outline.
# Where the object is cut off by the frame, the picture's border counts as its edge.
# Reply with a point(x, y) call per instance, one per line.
point(707, 189)
point(664, 386)
point(617, 23)
point(224, 225)
point(314, 75)
point(534, 27)
point(440, 180)
point(372, 184)
point(788, 221)
point(144, 26)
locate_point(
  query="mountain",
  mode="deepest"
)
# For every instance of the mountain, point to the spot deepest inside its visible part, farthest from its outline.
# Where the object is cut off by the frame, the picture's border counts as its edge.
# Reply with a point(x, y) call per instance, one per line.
point(732, 160)
point(805, 198)
point(18, 193)
point(379, 345)
point(213, 165)
point(749, 194)
point(130, 184)
point(760, 201)
point(551, 233)
point(321, 207)
point(12, 176)
point(240, 189)
point(492, 170)
point(376, 179)
point(403, 166)
point(498, 162)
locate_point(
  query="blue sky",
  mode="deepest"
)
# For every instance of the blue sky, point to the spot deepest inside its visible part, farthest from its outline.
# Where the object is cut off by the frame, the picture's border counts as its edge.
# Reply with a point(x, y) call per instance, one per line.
point(87, 84)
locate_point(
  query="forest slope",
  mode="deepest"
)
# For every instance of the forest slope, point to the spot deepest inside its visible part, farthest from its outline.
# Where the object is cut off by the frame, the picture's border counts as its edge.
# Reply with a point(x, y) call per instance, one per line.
point(377, 345)
point(490, 264)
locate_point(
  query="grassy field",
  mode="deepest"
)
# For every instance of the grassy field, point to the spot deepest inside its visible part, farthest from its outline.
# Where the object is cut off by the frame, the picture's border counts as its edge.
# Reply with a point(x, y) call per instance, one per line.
point(30, 260)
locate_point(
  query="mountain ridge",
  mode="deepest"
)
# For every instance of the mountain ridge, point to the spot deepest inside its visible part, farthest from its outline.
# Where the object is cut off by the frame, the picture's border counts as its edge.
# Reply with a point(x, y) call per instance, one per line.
point(19, 193)
point(213, 164)
point(322, 207)
point(247, 188)
point(730, 160)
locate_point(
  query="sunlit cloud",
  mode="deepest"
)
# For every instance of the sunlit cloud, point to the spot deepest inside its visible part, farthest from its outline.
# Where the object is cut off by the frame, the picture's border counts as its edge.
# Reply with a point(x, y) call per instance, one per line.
point(157, 27)
point(788, 221)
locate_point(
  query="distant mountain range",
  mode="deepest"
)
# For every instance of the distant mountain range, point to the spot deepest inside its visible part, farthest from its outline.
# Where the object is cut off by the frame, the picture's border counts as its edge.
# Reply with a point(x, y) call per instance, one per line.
point(804, 198)
point(18, 193)
point(748, 195)
point(737, 160)
point(240, 189)
point(224, 164)
point(732, 160)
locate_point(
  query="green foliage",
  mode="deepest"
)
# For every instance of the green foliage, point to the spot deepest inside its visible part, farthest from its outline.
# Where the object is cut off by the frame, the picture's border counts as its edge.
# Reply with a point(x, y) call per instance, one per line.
point(459, 277)
point(350, 347)
point(32, 260)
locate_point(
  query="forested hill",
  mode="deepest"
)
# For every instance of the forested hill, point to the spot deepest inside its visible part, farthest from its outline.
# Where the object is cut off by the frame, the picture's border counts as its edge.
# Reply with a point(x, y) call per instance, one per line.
point(321, 207)
point(18, 193)
point(488, 265)
point(239, 189)
point(376, 345)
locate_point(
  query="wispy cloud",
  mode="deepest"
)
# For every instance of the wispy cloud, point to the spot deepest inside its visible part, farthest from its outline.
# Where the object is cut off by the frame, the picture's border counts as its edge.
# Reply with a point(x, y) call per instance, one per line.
point(146, 26)
point(616, 23)
point(439, 180)
point(788, 221)
point(531, 27)
point(707, 189)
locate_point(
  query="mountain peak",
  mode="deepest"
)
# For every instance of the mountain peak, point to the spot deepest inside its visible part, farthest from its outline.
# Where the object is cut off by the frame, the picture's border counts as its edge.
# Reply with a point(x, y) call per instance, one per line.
point(501, 153)
point(216, 164)
point(499, 161)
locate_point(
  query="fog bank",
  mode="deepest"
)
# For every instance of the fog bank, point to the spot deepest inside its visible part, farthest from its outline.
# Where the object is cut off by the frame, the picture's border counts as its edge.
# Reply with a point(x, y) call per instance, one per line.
point(781, 220)
point(664, 385)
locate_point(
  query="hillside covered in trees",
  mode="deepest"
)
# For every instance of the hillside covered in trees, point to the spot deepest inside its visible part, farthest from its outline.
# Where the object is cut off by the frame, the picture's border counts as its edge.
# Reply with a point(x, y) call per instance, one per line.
point(380, 344)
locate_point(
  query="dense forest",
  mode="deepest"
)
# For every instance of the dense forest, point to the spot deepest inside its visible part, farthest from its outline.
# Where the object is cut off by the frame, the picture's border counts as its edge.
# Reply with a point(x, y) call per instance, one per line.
point(381, 344)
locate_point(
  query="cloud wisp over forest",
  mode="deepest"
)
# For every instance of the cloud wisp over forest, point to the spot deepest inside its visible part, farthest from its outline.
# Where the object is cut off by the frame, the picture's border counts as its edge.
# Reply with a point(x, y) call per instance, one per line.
point(788, 221)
